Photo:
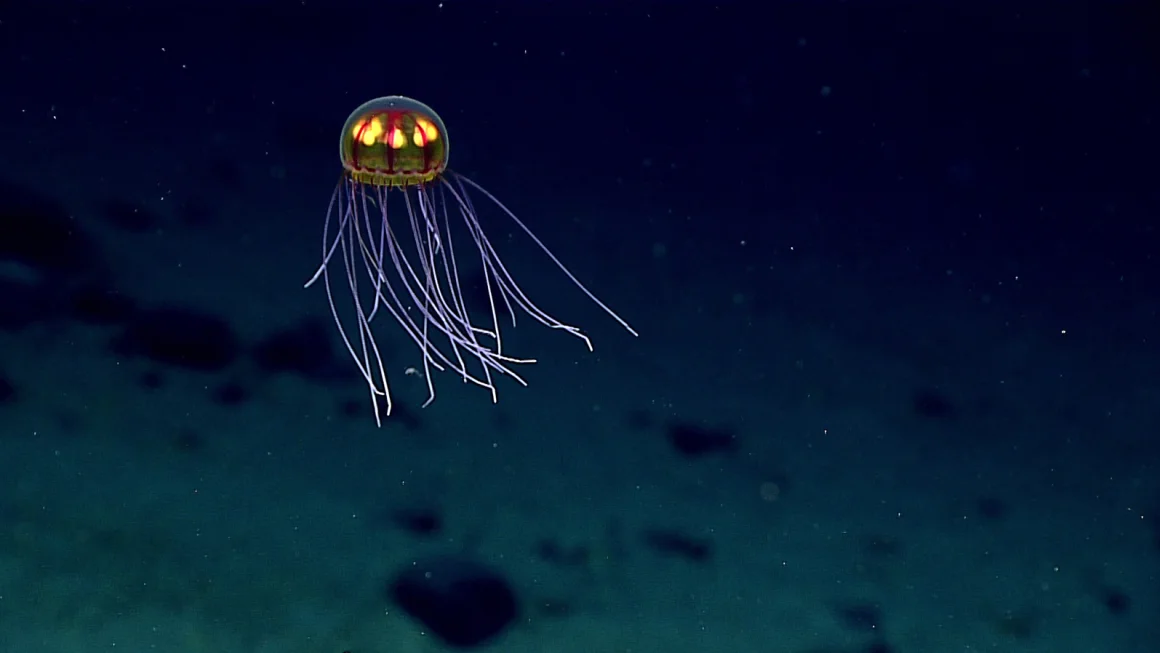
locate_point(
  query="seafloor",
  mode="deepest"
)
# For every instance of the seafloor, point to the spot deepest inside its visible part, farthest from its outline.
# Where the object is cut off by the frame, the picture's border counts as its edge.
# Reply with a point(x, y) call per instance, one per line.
point(825, 468)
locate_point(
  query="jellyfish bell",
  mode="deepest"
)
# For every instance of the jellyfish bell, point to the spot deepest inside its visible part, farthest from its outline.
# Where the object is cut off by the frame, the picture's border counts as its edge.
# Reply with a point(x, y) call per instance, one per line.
point(390, 223)
point(394, 141)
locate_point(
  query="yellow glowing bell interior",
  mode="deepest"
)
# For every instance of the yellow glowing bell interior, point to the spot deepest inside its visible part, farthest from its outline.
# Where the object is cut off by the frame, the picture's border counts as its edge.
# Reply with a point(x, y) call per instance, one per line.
point(394, 141)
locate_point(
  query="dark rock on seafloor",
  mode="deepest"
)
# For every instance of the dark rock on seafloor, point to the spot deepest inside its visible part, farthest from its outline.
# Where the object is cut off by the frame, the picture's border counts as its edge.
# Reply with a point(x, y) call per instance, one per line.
point(463, 602)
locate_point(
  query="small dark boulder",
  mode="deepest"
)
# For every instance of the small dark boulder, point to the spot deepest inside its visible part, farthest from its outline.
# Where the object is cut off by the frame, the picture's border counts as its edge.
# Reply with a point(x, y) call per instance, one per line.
point(991, 508)
point(96, 304)
point(929, 403)
point(418, 521)
point(303, 349)
point(39, 232)
point(1116, 601)
point(43, 252)
point(231, 393)
point(675, 543)
point(151, 380)
point(695, 441)
point(463, 602)
point(180, 338)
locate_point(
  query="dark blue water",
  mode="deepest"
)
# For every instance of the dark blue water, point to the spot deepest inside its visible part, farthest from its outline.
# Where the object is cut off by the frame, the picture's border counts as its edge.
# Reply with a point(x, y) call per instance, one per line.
point(893, 271)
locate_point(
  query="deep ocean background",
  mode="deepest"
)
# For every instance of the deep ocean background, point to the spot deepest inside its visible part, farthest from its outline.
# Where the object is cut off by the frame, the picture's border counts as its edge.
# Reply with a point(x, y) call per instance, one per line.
point(893, 265)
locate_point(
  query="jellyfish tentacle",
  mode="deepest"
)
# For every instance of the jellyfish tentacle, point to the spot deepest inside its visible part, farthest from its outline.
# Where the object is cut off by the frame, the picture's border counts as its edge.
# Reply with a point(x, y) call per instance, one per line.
point(325, 274)
point(410, 278)
point(366, 336)
point(363, 363)
point(455, 309)
point(427, 247)
point(455, 288)
point(506, 281)
point(544, 248)
point(328, 247)
point(394, 144)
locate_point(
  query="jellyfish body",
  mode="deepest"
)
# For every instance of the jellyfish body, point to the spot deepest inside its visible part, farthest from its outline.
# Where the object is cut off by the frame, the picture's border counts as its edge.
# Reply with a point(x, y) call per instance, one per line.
point(389, 223)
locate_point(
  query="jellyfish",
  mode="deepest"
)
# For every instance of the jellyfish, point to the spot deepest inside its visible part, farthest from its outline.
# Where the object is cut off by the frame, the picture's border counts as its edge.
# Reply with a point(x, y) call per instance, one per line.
point(388, 239)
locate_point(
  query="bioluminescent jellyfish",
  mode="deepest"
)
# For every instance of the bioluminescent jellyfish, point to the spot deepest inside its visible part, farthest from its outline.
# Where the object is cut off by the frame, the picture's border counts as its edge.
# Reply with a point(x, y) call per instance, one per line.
point(388, 240)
